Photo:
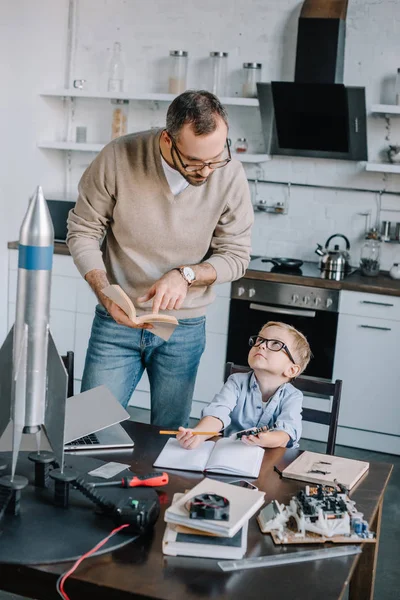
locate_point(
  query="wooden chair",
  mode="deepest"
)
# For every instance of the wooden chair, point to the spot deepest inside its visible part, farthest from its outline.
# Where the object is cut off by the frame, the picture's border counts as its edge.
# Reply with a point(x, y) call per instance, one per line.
point(311, 385)
point(68, 360)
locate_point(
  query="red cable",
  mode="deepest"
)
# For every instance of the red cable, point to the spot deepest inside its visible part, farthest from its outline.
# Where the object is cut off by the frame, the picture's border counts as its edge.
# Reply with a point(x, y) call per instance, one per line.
point(60, 587)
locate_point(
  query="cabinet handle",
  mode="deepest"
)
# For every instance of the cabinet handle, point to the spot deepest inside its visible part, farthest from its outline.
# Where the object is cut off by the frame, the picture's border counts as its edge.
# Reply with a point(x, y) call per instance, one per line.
point(375, 327)
point(282, 311)
point(376, 303)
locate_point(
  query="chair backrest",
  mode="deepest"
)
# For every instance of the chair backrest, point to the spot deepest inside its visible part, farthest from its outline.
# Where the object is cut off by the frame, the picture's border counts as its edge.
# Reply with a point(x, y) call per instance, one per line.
point(320, 387)
point(68, 360)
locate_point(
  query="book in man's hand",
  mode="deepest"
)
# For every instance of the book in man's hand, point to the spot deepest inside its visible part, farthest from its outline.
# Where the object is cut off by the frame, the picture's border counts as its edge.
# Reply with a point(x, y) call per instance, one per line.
point(325, 469)
point(185, 541)
point(228, 456)
point(163, 325)
point(243, 504)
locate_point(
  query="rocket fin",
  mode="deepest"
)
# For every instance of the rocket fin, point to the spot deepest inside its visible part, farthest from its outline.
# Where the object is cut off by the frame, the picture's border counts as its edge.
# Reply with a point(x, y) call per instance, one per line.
point(19, 397)
point(6, 363)
point(54, 418)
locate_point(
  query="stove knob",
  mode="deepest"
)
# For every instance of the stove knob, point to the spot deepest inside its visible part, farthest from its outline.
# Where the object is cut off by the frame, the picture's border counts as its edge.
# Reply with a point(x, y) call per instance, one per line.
point(295, 298)
point(317, 301)
point(240, 291)
point(306, 299)
point(252, 292)
point(328, 302)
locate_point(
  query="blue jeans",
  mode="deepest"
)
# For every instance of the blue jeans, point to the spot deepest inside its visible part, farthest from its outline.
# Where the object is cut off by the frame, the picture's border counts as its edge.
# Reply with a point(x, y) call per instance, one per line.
point(117, 356)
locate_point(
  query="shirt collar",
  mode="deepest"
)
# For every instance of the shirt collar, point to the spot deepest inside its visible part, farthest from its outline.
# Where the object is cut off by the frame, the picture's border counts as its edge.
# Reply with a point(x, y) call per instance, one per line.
point(253, 385)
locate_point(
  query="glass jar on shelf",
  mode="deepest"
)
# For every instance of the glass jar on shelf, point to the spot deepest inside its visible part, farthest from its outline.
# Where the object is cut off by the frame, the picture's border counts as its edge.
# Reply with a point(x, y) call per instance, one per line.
point(119, 118)
point(178, 60)
point(370, 257)
point(116, 70)
point(252, 74)
point(241, 146)
point(218, 73)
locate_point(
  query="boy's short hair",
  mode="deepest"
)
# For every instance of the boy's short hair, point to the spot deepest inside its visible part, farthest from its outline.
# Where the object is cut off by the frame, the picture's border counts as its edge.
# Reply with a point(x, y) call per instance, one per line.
point(301, 350)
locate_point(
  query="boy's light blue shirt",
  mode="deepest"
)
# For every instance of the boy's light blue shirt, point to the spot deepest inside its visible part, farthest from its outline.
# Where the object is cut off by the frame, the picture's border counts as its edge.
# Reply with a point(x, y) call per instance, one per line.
point(239, 406)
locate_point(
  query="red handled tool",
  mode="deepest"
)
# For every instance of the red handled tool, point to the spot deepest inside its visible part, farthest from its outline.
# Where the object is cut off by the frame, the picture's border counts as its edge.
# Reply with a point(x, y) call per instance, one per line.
point(155, 479)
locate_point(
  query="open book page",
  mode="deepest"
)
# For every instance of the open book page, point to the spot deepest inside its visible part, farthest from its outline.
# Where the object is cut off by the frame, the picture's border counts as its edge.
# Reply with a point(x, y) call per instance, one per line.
point(233, 457)
point(163, 325)
point(325, 469)
point(173, 456)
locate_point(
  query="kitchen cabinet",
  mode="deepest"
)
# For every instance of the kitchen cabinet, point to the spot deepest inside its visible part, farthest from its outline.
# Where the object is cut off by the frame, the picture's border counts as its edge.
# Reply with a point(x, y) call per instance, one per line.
point(366, 360)
point(71, 314)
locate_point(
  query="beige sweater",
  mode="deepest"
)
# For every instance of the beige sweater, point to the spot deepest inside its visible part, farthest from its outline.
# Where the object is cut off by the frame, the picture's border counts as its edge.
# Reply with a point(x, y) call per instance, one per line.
point(127, 222)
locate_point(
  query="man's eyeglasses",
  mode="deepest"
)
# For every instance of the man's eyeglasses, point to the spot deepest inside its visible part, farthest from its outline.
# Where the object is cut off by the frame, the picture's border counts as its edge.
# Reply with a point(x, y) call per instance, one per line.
point(194, 168)
point(274, 345)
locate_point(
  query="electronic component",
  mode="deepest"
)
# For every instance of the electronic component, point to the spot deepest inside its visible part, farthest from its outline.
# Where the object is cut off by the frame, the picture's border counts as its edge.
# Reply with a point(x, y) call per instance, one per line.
point(317, 513)
point(209, 506)
point(253, 431)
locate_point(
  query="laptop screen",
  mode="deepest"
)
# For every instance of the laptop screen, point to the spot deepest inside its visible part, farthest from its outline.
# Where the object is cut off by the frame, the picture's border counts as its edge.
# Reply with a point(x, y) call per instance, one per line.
point(59, 210)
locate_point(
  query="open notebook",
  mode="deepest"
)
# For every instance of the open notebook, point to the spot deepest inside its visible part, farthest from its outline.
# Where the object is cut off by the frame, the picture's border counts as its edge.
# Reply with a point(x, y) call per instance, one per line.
point(227, 455)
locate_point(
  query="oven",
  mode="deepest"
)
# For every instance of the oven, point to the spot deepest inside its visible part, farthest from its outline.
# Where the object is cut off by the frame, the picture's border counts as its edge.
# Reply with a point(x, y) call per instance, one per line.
point(311, 310)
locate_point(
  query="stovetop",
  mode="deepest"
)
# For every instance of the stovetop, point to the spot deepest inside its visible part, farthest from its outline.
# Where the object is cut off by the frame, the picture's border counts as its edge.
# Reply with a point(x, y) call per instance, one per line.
point(307, 269)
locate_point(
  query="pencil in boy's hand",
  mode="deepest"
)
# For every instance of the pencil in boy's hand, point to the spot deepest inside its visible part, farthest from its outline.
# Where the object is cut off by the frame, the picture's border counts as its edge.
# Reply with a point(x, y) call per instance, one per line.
point(193, 432)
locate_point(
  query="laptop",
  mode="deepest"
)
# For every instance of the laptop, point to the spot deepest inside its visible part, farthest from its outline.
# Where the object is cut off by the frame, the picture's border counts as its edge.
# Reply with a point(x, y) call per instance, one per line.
point(92, 422)
point(59, 210)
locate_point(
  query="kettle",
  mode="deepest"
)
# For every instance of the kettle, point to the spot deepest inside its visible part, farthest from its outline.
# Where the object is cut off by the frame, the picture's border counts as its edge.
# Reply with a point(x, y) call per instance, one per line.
point(334, 263)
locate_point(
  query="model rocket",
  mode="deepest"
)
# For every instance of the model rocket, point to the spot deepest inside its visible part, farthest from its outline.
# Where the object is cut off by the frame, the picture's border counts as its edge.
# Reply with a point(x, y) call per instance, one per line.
point(33, 380)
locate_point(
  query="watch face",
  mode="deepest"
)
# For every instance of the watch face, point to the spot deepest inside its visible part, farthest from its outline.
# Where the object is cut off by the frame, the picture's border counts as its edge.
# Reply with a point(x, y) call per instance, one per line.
point(188, 273)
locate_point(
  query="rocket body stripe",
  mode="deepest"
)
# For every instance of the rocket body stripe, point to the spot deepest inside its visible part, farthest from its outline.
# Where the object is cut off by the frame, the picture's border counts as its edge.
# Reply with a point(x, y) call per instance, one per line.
point(35, 258)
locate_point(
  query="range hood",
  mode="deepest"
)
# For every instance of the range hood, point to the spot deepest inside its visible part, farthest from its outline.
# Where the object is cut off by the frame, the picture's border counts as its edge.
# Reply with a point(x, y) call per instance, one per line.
point(316, 115)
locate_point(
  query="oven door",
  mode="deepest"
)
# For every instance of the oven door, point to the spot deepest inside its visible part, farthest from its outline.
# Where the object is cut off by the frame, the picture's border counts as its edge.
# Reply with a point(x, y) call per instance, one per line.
point(247, 318)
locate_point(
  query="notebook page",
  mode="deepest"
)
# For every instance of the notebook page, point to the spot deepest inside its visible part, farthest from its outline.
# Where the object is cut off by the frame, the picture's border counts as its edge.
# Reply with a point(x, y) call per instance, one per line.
point(234, 457)
point(173, 456)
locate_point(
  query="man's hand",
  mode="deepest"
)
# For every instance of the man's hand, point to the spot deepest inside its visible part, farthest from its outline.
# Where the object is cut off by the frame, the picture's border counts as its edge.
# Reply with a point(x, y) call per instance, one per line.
point(168, 293)
point(98, 280)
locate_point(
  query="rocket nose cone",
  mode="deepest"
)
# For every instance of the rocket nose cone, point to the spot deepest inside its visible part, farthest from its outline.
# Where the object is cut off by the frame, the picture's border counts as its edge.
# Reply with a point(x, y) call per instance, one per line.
point(37, 226)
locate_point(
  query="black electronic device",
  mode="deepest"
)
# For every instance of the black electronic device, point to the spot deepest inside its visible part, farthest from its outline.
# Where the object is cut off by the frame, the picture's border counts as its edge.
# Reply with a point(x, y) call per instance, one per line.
point(209, 506)
point(59, 210)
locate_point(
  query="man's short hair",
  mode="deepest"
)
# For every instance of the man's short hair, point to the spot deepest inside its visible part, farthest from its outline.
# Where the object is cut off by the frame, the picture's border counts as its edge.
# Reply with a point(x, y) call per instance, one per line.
point(301, 350)
point(199, 108)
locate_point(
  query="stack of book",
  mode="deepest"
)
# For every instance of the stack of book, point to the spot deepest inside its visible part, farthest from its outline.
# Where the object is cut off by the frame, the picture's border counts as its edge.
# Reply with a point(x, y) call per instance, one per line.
point(211, 538)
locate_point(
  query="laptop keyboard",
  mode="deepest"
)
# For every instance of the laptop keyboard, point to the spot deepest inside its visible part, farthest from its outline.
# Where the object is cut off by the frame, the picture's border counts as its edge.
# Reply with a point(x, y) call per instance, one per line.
point(86, 440)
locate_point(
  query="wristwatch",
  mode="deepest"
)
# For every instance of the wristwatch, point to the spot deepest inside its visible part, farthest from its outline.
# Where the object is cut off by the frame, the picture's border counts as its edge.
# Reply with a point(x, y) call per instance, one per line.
point(188, 274)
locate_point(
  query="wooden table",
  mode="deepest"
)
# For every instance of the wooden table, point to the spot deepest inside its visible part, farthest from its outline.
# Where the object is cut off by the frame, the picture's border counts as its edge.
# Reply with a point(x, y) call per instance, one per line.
point(141, 571)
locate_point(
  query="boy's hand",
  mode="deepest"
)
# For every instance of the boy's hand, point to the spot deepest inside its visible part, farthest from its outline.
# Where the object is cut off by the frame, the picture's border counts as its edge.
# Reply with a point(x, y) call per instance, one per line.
point(257, 440)
point(187, 440)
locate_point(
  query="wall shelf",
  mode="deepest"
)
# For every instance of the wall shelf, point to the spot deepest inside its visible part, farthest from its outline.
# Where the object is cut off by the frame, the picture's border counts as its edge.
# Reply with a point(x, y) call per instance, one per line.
point(76, 93)
point(75, 146)
point(385, 109)
point(80, 147)
point(382, 167)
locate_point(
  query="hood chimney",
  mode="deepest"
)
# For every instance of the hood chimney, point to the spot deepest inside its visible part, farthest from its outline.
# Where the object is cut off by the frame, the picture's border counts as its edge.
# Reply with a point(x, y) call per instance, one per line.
point(321, 41)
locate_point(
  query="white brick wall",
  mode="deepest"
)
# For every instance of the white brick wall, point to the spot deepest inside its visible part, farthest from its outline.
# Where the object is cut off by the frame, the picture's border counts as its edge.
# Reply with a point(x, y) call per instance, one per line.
point(34, 36)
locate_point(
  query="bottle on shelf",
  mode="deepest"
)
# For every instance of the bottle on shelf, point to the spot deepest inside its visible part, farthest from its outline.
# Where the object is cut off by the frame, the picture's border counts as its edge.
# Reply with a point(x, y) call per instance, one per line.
point(397, 87)
point(241, 146)
point(119, 118)
point(218, 73)
point(116, 70)
point(252, 74)
point(178, 60)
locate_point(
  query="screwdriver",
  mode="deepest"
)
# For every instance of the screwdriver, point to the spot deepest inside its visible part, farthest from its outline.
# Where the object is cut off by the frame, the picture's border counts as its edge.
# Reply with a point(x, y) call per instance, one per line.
point(155, 479)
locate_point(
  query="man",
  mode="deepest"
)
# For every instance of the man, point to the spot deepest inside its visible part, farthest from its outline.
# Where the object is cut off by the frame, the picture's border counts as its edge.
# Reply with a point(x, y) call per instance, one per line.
point(164, 214)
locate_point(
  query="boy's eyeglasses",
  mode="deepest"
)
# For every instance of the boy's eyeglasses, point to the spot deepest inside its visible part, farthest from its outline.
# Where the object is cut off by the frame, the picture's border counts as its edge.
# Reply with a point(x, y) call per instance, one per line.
point(274, 345)
point(194, 168)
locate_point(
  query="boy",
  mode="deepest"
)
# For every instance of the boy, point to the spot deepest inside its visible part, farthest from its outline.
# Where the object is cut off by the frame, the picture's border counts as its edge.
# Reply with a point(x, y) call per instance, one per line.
point(262, 397)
